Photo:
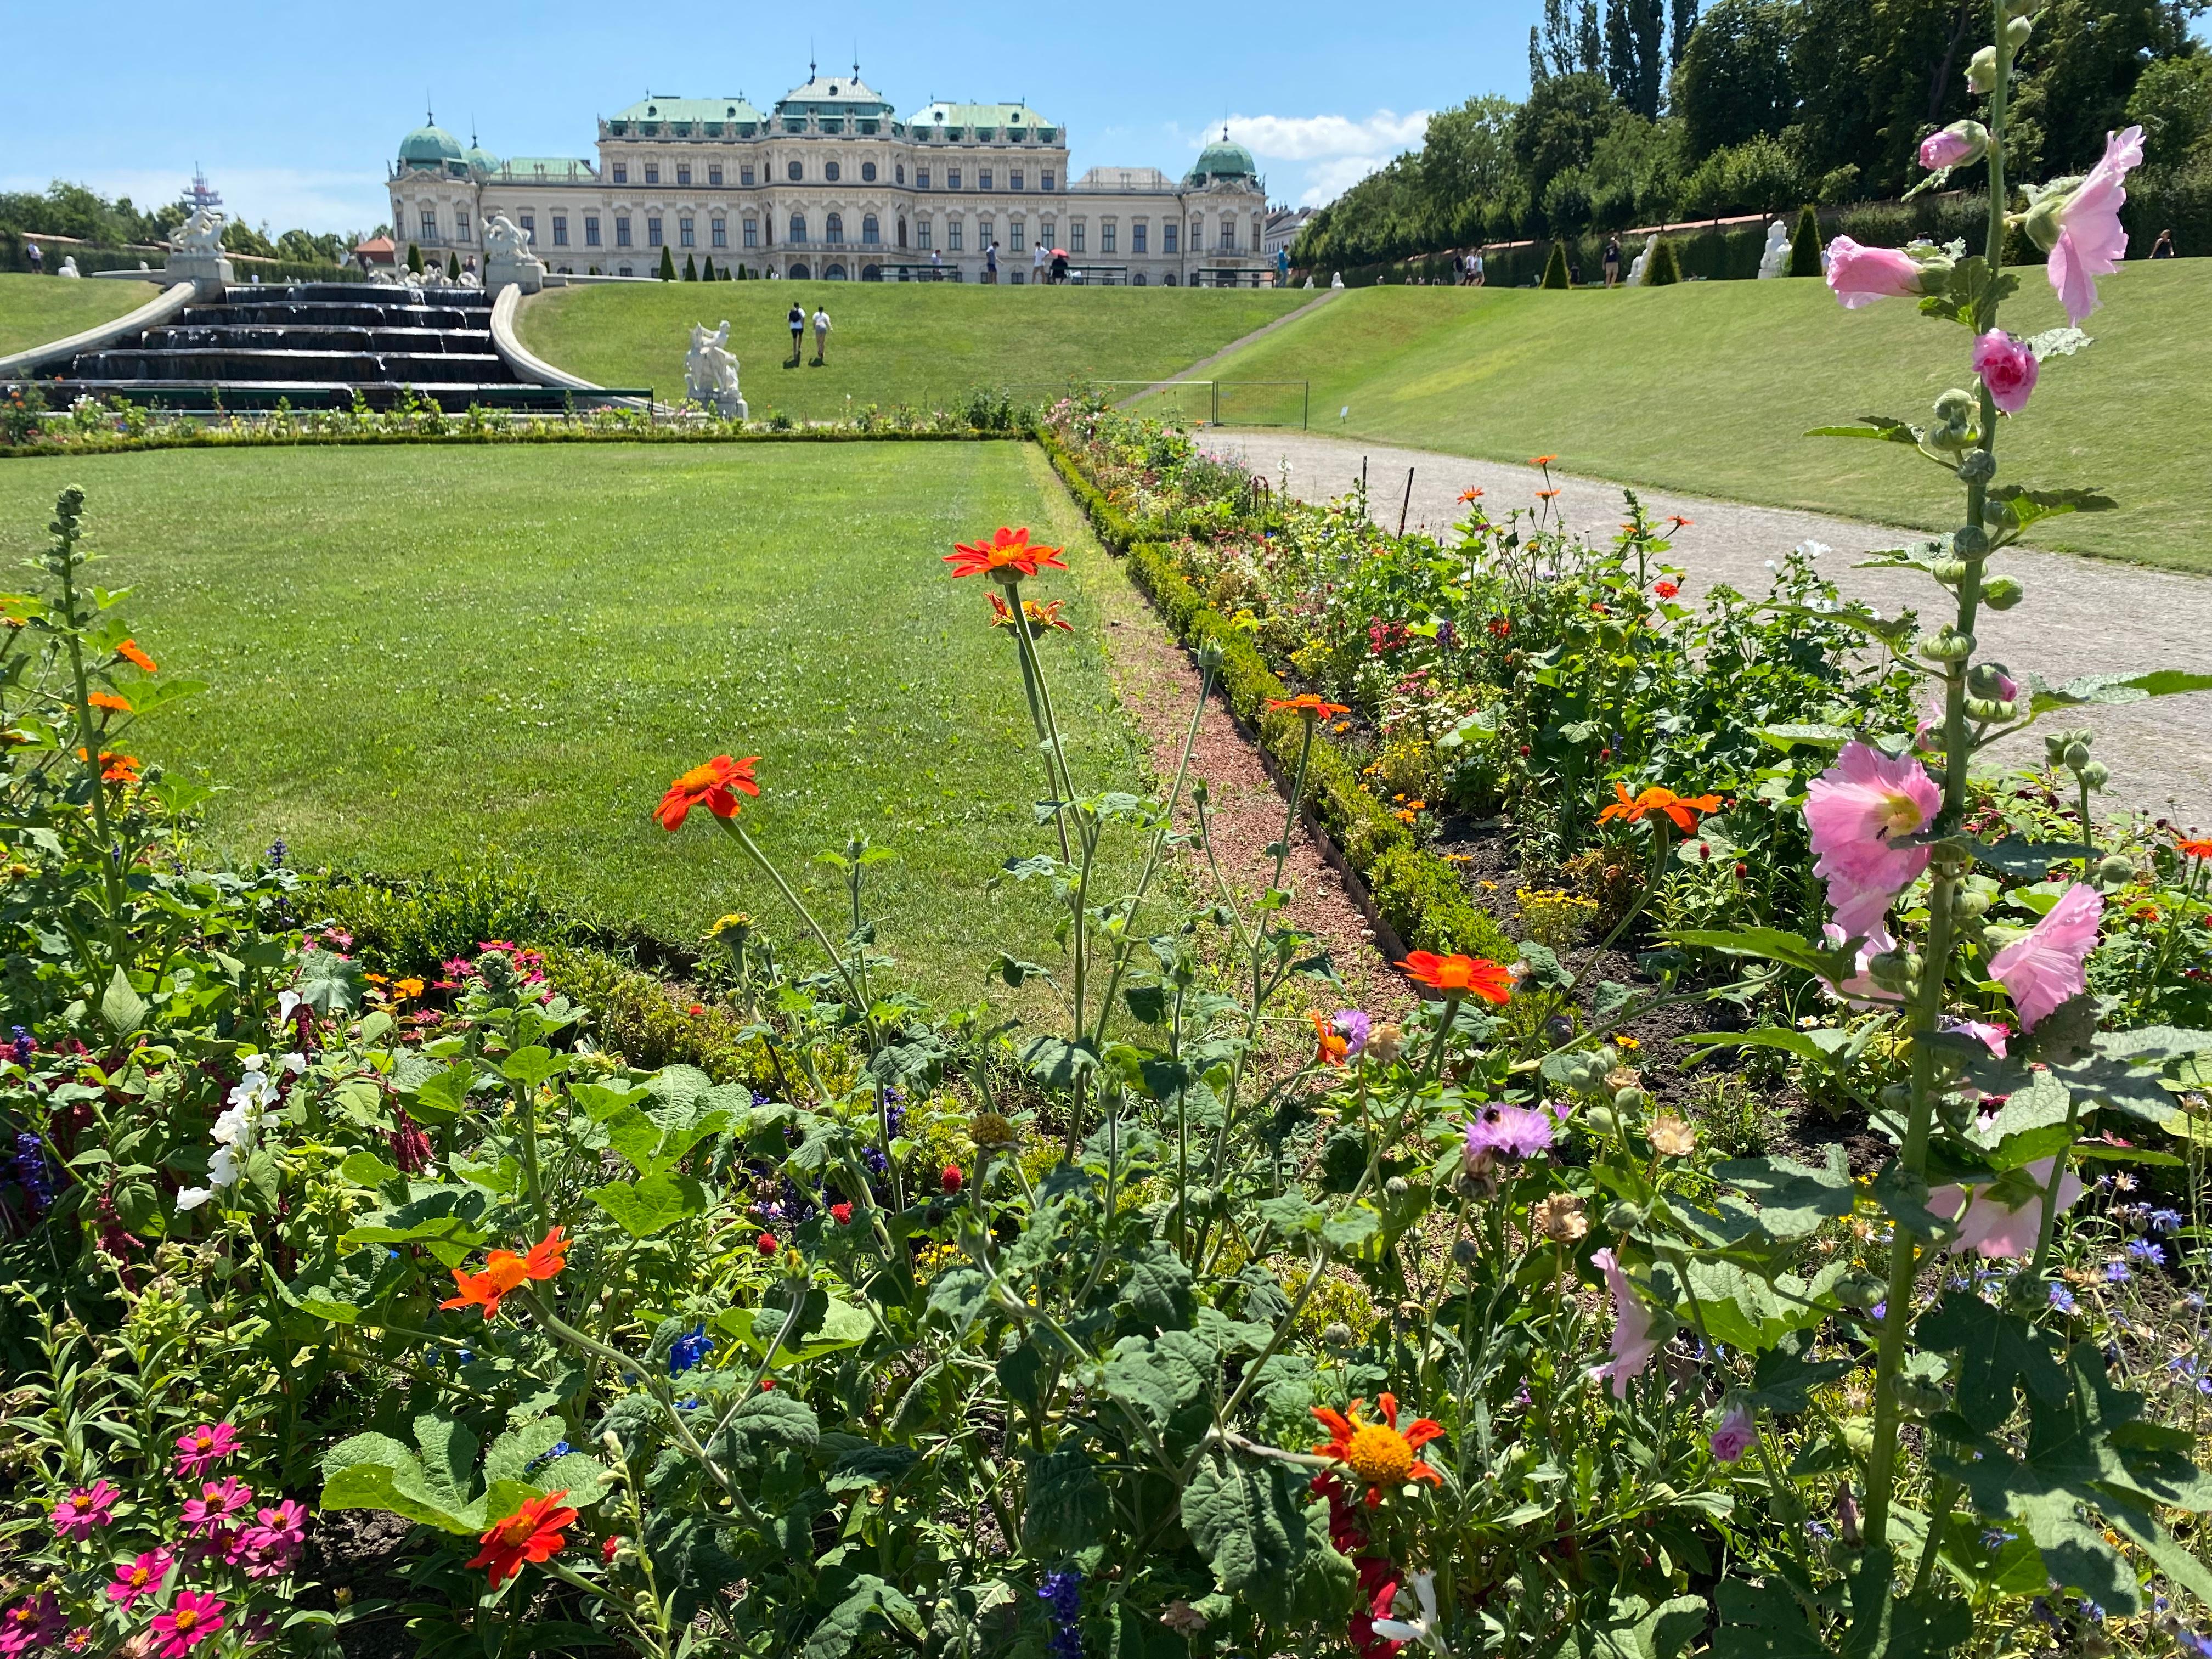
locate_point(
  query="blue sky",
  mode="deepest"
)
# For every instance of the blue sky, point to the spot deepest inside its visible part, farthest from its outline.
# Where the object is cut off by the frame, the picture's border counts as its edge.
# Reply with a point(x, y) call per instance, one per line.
point(293, 109)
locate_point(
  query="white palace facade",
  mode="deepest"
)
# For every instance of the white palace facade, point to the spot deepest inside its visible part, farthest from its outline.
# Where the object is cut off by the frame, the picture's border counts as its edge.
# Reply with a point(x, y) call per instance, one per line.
point(833, 183)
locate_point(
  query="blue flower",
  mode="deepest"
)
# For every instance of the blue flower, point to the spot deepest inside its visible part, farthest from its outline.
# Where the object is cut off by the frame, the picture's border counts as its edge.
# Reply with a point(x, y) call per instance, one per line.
point(2198, 1642)
point(2062, 1299)
point(275, 852)
point(2166, 1221)
point(1063, 1592)
point(558, 1449)
point(23, 1047)
point(2116, 1272)
point(1996, 1538)
point(689, 1350)
point(31, 1170)
point(2144, 1250)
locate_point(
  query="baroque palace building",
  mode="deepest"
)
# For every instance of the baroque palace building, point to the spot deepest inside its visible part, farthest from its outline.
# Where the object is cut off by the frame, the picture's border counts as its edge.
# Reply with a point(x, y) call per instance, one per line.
point(835, 184)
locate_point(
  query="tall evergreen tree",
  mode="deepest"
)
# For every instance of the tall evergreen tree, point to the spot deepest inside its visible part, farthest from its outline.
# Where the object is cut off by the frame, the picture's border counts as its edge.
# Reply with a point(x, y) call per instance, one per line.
point(1685, 21)
point(1620, 53)
point(1647, 29)
point(1539, 71)
point(1590, 45)
point(1559, 37)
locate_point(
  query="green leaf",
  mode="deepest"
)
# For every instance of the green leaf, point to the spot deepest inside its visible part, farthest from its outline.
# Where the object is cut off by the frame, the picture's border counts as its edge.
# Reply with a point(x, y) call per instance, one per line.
point(1879, 428)
point(367, 1169)
point(1068, 1503)
point(2024, 860)
point(645, 1207)
point(330, 983)
point(841, 1326)
point(443, 1095)
point(1055, 1063)
point(1158, 1291)
point(870, 1604)
point(1292, 1214)
point(1998, 1352)
point(1249, 1520)
point(769, 1418)
point(1787, 735)
point(1348, 1229)
point(1883, 1627)
point(123, 1008)
point(1786, 1375)
point(2109, 689)
point(1773, 945)
point(1762, 1621)
point(959, 1295)
point(528, 1067)
point(2061, 342)
point(868, 1466)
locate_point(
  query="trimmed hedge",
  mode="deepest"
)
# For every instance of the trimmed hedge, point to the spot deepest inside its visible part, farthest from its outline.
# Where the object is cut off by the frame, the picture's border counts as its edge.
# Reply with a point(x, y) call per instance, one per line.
point(1416, 892)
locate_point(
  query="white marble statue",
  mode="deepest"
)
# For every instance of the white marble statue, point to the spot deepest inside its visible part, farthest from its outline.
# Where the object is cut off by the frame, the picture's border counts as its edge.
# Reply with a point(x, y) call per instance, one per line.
point(1309, 279)
point(710, 372)
point(504, 239)
point(1643, 261)
point(508, 261)
point(69, 267)
point(201, 234)
point(1776, 259)
point(1337, 281)
point(198, 255)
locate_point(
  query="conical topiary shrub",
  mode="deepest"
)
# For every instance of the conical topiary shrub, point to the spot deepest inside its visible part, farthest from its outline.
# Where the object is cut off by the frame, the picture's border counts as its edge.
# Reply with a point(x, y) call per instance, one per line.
point(690, 269)
point(667, 264)
point(1663, 268)
point(707, 271)
point(1805, 245)
point(452, 267)
point(413, 259)
point(1555, 268)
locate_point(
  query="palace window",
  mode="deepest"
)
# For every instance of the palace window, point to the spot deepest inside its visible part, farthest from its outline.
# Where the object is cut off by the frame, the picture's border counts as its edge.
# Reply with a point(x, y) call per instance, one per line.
point(898, 173)
point(1013, 178)
point(871, 232)
point(953, 243)
point(591, 230)
point(622, 173)
point(1168, 236)
point(833, 229)
point(715, 175)
point(683, 232)
point(1045, 178)
point(529, 223)
point(746, 175)
point(1228, 234)
point(1044, 232)
point(952, 177)
point(922, 238)
point(621, 230)
point(798, 227)
point(793, 172)
point(720, 230)
point(752, 233)
point(867, 173)
point(1014, 237)
point(560, 230)
point(652, 237)
point(983, 178)
point(1197, 235)
point(653, 172)
point(921, 177)
point(1137, 237)
point(1106, 237)
point(684, 173)
point(985, 233)
point(1075, 237)
point(829, 171)
point(429, 224)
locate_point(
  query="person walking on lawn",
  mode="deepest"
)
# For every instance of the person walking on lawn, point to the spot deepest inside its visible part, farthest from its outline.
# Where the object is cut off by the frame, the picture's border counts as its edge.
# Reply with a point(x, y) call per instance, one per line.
point(796, 319)
point(821, 334)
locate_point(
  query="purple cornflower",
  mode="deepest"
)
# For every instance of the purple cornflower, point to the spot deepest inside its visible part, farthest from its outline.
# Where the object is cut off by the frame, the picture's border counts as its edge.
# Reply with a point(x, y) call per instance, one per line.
point(2144, 1250)
point(2161, 1221)
point(1063, 1592)
point(2062, 1299)
point(2116, 1272)
point(1354, 1027)
point(1506, 1132)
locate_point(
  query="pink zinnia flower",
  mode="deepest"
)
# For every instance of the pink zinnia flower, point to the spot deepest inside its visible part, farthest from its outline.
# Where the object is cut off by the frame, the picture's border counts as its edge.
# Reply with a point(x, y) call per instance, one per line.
point(2048, 966)
point(209, 1444)
point(136, 1580)
point(1853, 809)
point(31, 1624)
point(272, 1547)
point(2008, 367)
point(1633, 1344)
point(1996, 1231)
point(1860, 275)
point(85, 1509)
point(2090, 240)
point(1860, 991)
point(191, 1621)
point(217, 1504)
point(1735, 1436)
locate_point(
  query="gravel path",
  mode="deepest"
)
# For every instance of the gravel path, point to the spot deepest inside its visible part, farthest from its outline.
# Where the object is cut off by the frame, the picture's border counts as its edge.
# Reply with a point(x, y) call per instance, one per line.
point(2080, 616)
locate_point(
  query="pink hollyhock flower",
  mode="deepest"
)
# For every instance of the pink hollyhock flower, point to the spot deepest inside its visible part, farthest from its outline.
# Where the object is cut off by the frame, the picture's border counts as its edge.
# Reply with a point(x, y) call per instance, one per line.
point(211, 1442)
point(1996, 1231)
point(136, 1580)
point(217, 1504)
point(1954, 146)
point(1993, 1037)
point(88, 1507)
point(1860, 991)
point(272, 1547)
point(2049, 966)
point(189, 1622)
point(2008, 367)
point(1736, 1435)
point(1853, 809)
point(1860, 275)
point(1633, 1344)
point(31, 1624)
point(2090, 240)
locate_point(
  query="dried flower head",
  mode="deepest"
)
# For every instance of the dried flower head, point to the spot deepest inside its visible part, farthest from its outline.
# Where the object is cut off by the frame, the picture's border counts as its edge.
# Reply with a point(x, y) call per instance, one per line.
point(988, 1129)
point(1560, 1218)
point(1671, 1137)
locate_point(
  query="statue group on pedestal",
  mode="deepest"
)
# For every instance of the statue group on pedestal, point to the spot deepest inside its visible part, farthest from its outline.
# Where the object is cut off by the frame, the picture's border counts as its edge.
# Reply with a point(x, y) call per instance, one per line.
point(710, 372)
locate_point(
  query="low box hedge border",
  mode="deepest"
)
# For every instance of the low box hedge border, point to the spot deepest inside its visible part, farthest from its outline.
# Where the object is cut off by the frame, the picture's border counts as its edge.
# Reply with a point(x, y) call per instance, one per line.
point(1409, 892)
point(223, 438)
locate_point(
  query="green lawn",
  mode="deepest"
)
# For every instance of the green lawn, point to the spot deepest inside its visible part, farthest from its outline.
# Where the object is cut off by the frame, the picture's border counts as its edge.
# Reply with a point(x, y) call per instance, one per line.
point(430, 657)
point(1709, 387)
point(927, 344)
point(36, 309)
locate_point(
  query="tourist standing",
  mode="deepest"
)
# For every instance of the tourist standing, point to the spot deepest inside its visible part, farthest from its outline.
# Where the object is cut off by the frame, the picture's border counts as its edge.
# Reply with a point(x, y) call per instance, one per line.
point(38, 260)
point(2163, 248)
point(936, 266)
point(797, 318)
point(1612, 260)
point(821, 334)
point(990, 263)
point(1038, 259)
point(1475, 274)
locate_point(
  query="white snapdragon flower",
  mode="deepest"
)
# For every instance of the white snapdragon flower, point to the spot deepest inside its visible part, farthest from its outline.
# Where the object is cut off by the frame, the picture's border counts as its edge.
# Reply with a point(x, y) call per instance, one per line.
point(237, 1130)
point(1422, 1628)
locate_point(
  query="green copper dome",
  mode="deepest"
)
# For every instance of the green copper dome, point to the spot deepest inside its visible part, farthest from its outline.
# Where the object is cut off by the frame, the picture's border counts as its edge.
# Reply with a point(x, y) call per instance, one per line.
point(481, 160)
point(429, 146)
point(1223, 160)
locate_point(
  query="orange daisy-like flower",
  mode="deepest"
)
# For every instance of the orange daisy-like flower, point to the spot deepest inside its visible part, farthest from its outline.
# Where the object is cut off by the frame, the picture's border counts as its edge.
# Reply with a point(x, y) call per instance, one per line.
point(114, 768)
point(1307, 703)
point(108, 699)
point(1666, 590)
point(1470, 495)
point(1378, 1454)
point(131, 652)
point(1006, 557)
point(1471, 975)
point(1541, 461)
point(1683, 810)
point(1546, 494)
point(1040, 615)
point(2194, 849)
point(710, 787)
point(532, 1533)
point(1680, 522)
point(504, 1271)
point(1330, 1045)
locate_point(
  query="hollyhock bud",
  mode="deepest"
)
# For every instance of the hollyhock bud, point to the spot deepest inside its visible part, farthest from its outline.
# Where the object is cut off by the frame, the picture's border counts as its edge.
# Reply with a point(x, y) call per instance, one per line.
point(2017, 30)
point(1955, 146)
point(1977, 466)
point(1981, 70)
point(2096, 774)
point(1970, 541)
point(2002, 592)
point(2114, 868)
point(1859, 275)
point(1947, 645)
point(2076, 754)
point(2008, 368)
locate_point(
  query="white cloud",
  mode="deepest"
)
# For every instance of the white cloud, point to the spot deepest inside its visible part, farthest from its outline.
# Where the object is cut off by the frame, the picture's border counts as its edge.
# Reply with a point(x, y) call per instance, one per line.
point(1315, 158)
point(283, 198)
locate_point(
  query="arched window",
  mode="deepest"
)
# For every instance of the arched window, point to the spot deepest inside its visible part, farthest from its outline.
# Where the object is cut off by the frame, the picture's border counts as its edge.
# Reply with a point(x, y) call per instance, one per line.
point(868, 172)
point(829, 171)
point(798, 227)
point(798, 273)
point(871, 232)
point(833, 229)
point(794, 172)
point(902, 233)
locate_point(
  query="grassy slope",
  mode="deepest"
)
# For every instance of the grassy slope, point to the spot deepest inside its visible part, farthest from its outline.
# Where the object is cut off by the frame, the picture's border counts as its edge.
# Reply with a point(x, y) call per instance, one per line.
point(424, 657)
point(36, 309)
point(922, 343)
point(1708, 387)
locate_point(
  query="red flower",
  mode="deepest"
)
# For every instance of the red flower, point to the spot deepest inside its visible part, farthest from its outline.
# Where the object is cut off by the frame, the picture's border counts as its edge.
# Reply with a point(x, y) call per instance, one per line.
point(607, 1548)
point(503, 1271)
point(1475, 975)
point(841, 1214)
point(2194, 849)
point(1666, 590)
point(1683, 810)
point(532, 1533)
point(1376, 1453)
point(950, 1179)
point(130, 653)
point(766, 1244)
point(1006, 557)
point(1330, 1045)
point(697, 1009)
point(1680, 522)
point(708, 786)
point(1307, 704)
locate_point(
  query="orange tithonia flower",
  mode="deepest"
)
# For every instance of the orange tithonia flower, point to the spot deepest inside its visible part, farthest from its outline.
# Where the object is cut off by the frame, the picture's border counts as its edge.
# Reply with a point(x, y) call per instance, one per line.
point(1474, 975)
point(1040, 615)
point(710, 787)
point(2194, 849)
point(1470, 495)
point(130, 653)
point(1683, 810)
point(108, 699)
point(114, 768)
point(1377, 1453)
point(1546, 494)
point(1541, 461)
point(1330, 1045)
point(1006, 557)
point(532, 1533)
point(503, 1271)
point(1307, 703)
